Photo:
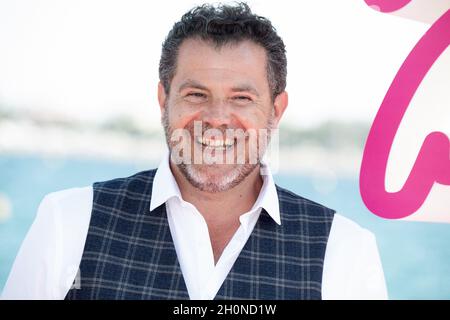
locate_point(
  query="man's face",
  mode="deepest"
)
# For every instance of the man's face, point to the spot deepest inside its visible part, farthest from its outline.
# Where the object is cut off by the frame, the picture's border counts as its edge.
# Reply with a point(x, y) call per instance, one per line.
point(215, 96)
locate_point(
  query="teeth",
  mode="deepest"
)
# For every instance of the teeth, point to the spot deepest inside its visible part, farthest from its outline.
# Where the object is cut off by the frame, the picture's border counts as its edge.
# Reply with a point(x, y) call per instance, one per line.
point(215, 142)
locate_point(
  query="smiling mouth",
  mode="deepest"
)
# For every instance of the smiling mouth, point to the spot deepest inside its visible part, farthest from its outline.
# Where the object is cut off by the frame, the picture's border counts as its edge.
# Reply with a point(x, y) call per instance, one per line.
point(219, 144)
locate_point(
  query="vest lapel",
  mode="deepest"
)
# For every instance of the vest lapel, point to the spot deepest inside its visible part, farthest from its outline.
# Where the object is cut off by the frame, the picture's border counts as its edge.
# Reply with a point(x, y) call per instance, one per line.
point(129, 251)
point(282, 262)
point(168, 273)
point(246, 278)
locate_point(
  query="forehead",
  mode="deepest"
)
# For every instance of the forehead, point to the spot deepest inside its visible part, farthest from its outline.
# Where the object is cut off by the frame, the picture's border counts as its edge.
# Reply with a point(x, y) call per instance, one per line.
point(236, 61)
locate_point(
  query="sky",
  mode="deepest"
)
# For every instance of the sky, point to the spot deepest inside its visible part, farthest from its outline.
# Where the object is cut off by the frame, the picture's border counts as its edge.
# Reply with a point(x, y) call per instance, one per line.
point(92, 60)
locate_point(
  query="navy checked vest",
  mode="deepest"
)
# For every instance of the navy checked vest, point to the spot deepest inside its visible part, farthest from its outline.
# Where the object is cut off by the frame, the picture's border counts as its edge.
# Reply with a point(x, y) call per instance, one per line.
point(129, 252)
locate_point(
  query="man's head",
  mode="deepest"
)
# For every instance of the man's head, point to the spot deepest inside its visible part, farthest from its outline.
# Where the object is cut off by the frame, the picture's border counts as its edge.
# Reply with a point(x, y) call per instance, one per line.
point(224, 68)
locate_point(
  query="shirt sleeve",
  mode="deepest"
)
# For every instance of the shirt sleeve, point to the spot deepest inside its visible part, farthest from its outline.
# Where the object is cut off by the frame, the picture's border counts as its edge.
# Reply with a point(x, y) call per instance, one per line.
point(352, 266)
point(48, 259)
point(34, 270)
point(369, 279)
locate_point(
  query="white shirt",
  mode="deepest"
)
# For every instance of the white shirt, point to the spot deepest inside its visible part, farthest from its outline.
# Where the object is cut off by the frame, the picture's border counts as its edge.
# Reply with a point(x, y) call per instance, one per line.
point(50, 256)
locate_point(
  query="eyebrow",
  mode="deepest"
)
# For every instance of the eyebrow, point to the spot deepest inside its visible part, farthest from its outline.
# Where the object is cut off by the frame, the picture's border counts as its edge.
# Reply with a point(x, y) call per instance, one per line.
point(189, 83)
point(247, 88)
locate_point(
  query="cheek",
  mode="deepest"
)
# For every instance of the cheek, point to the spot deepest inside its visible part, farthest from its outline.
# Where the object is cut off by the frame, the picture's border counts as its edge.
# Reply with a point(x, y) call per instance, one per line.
point(180, 117)
point(251, 118)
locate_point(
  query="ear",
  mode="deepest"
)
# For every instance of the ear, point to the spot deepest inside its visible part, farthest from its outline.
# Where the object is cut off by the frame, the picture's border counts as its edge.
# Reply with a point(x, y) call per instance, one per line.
point(280, 104)
point(161, 97)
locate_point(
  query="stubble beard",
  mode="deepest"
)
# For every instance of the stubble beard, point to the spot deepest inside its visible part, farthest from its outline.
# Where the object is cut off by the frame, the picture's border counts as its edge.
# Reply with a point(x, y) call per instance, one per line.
point(204, 178)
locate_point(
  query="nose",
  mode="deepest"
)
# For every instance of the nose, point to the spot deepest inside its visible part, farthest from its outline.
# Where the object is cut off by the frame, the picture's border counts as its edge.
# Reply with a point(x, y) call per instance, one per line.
point(217, 114)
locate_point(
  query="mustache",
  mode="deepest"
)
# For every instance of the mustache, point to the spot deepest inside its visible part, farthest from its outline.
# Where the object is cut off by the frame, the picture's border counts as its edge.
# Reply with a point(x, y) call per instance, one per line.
point(206, 126)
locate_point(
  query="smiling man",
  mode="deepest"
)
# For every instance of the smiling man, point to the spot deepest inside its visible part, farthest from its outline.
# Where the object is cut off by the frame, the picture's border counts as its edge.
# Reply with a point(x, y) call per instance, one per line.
point(209, 223)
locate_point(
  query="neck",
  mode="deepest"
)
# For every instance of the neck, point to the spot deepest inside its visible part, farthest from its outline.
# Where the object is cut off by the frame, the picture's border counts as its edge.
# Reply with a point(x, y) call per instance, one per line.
point(217, 205)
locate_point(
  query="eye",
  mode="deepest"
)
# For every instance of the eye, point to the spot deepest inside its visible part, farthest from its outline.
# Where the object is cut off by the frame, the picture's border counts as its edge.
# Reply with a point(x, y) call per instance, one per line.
point(195, 97)
point(196, 94)
point(243, 98)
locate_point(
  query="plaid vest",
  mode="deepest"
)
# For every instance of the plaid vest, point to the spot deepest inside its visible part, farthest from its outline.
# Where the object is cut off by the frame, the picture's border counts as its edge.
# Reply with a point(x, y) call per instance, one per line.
point(129, 252)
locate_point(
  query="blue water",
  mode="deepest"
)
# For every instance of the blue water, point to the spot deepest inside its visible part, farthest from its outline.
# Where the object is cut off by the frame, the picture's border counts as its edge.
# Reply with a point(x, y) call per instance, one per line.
point(415, 256)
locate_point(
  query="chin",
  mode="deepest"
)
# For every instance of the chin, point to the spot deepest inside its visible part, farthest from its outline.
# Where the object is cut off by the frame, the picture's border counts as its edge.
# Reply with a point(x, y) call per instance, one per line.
point(215, 178)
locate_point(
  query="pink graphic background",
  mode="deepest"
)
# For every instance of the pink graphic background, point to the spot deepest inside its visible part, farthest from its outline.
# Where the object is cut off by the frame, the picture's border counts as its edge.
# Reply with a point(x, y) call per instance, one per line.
point(433, 160)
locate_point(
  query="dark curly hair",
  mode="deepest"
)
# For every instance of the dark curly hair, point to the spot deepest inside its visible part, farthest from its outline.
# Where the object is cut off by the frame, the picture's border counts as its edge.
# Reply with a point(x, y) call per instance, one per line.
point(223, 24)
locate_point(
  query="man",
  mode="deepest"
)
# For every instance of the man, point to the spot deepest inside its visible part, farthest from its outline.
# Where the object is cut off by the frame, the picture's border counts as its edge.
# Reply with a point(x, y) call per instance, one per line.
point(209, 222)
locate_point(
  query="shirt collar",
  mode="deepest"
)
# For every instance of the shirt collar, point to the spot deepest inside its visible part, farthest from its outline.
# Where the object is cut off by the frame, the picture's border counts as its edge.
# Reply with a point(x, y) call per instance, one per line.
point(166, 187)
point(164, 184)
point(268, 196)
